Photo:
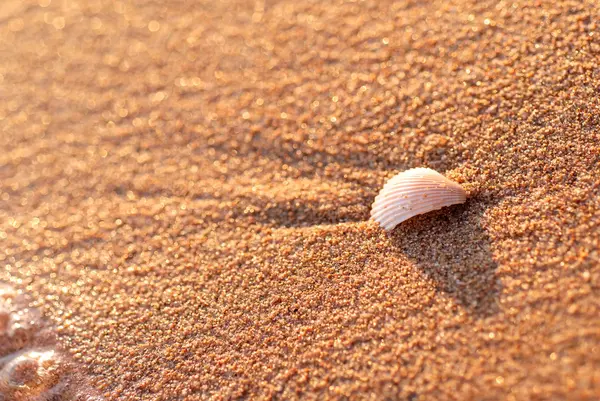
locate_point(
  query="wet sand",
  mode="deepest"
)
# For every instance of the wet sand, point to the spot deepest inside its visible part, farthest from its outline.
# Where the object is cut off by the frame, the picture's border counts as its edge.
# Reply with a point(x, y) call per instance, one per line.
point(185, 193)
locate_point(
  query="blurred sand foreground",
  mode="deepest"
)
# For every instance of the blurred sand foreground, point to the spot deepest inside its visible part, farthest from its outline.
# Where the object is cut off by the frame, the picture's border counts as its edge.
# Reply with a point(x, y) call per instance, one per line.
point(185, 187)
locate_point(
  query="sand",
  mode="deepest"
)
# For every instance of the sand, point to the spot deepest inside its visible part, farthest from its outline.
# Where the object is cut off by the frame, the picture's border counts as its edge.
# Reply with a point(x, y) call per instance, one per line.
point(185, 192)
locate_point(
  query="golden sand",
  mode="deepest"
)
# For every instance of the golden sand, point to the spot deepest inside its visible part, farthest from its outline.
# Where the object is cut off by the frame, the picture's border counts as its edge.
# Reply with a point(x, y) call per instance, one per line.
point(184, 195)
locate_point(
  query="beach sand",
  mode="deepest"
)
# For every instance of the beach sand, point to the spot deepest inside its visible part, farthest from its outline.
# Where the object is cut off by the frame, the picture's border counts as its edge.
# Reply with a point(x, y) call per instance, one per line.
point(185, 192)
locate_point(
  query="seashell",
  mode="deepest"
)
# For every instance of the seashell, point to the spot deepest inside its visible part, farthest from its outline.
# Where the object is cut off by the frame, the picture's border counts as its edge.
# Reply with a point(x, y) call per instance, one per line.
point(412, 192)
point(30, 373)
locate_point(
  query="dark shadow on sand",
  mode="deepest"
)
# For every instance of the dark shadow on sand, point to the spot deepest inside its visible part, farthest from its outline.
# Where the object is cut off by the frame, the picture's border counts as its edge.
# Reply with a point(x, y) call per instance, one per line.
point(298, 212)
point(451, 248)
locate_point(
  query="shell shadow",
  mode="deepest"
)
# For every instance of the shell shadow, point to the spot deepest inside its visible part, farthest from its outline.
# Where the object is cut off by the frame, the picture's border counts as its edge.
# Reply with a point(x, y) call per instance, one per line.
point(453, 250)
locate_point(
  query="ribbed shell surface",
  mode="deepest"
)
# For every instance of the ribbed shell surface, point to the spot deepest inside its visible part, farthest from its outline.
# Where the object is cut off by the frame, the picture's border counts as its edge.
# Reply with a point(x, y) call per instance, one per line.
point(413, 192)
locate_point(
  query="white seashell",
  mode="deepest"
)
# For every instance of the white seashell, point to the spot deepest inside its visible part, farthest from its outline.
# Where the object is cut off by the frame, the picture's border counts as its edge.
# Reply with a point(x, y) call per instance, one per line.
point(33, 371)
point(412, 192)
